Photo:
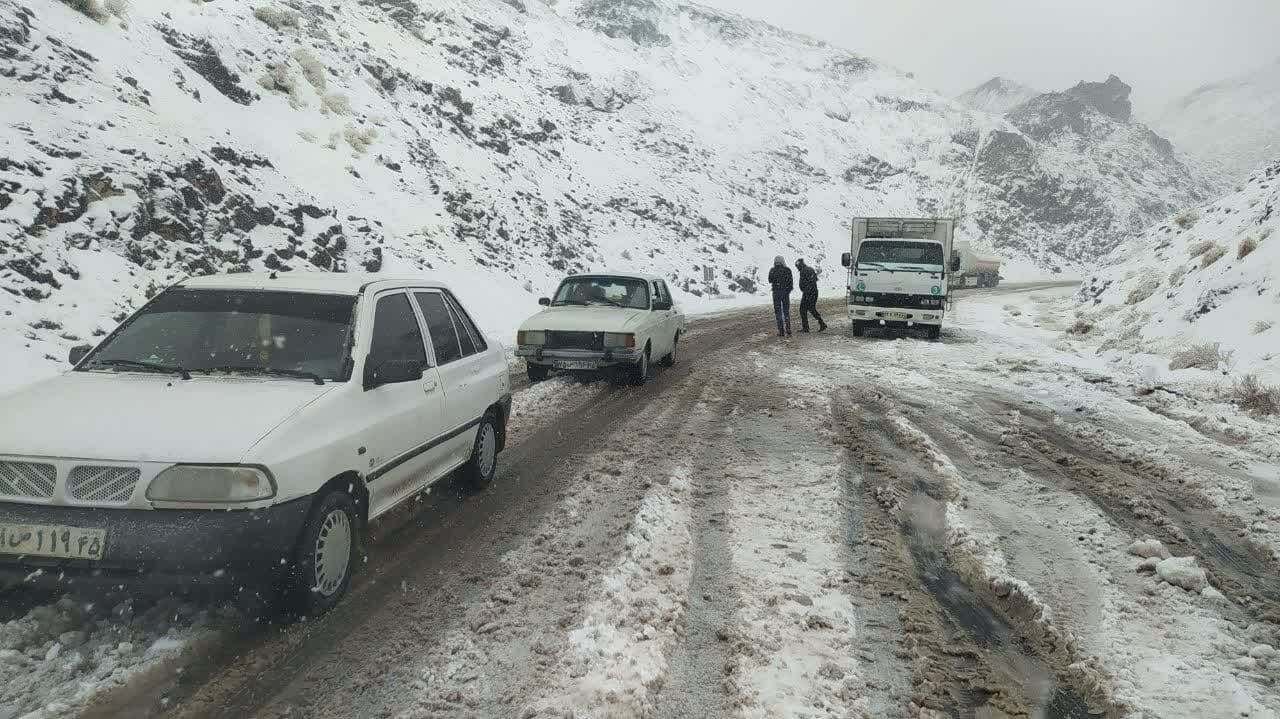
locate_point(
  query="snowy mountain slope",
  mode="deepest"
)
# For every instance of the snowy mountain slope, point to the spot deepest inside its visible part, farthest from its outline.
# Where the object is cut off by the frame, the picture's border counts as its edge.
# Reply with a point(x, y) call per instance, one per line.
point(1230, 127)
point(997, 96)
point(500, 143)
point(1209, 275)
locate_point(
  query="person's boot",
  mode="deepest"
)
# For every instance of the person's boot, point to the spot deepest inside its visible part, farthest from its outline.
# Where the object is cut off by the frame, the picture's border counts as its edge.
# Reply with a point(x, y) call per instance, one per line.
point(822, 327)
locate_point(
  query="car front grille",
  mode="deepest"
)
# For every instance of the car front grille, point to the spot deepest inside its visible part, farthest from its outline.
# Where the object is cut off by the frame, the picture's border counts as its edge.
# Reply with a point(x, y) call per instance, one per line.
point(102, 484)
point(890, 299)
point(27, 479)
point(575, 340)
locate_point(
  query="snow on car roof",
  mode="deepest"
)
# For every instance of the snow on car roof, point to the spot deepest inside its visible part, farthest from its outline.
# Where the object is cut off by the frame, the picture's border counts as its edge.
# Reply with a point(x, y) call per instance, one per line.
point(625, 275)
point(342, 283)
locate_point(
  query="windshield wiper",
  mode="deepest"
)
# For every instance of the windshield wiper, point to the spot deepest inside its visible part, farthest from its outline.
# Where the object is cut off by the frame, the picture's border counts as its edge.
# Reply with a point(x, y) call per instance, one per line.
point(139, 364)
point(280, 372)
point(875, 264)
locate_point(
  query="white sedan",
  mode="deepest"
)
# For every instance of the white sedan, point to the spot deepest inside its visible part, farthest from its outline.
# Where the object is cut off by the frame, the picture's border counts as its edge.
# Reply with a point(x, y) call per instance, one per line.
point(612, 323)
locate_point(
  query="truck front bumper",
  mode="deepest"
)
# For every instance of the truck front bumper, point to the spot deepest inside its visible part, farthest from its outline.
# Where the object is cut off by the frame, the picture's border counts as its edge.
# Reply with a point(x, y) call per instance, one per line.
point(162, 546)
point(896, 316)
point(578, 359)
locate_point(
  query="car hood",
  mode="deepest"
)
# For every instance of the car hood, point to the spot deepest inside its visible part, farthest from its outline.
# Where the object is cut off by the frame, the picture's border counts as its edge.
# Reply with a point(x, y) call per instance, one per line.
point(587, 319)
point(900, 282)
point(156, 418)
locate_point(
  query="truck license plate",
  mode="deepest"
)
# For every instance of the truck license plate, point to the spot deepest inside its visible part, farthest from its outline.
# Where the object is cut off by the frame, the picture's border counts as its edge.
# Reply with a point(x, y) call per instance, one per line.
point(43, 540)
point(899, 316)
point(575, 364)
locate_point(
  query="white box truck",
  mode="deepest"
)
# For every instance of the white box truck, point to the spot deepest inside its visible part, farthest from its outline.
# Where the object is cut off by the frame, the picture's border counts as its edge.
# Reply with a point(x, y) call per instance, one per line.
point(898, 273)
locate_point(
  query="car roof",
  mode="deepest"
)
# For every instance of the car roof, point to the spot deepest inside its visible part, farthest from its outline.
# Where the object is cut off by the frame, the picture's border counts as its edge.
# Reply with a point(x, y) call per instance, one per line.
point(624, 275)
point(337, 283)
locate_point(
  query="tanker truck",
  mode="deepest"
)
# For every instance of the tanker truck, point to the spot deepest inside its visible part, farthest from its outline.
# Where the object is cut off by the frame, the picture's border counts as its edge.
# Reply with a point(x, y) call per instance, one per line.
point(975, 270)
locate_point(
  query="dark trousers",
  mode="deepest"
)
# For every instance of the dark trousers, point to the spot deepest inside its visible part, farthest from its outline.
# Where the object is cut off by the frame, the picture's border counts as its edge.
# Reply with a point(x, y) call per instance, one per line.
point(809, 306)
point(782, 311)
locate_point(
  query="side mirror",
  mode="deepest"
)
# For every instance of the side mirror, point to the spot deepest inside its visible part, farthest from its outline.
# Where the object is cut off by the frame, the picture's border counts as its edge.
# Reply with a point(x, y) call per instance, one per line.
point(78, 353)
point(377, 374)
point(955, 263)
point(846, 260)
point(544, 301)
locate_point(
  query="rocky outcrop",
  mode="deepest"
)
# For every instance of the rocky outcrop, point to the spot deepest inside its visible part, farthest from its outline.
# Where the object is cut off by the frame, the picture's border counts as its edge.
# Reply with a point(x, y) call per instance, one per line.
point(1111, 98)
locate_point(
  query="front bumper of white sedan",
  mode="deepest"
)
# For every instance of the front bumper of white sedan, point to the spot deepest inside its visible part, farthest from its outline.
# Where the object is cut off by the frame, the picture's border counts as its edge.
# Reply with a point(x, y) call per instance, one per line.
point(578, 359)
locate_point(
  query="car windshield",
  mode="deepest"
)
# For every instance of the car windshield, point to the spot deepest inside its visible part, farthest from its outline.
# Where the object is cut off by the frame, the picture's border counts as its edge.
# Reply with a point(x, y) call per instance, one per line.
point(615, 291)
point(900, 254)
point(234, 331)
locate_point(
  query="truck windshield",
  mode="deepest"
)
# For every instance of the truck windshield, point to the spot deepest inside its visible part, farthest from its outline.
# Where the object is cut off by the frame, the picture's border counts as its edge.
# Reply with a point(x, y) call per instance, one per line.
point(233, 331)
point(617, 291)
point(902, 254)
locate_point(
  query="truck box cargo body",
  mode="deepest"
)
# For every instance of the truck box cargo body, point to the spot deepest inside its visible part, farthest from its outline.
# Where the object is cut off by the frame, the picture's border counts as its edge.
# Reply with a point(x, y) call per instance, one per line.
point(898, 273)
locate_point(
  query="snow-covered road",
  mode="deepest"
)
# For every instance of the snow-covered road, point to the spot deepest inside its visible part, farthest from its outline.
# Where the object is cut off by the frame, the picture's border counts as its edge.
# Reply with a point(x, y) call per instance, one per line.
point(996, 525)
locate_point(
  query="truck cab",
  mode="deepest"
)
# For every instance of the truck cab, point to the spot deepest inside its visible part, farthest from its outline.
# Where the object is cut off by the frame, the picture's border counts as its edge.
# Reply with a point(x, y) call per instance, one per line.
point(898, 273)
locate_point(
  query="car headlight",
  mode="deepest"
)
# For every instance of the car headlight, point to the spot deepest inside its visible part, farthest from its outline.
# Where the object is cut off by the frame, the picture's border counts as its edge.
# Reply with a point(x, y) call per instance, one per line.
point(619, 339)
point(531, 337)
point(200, 484)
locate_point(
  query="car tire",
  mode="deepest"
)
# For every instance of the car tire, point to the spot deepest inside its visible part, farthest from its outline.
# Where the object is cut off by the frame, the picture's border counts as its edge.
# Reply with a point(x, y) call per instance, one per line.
point(325, 556)
point(670, 359)
point(859, 329)
point(639, 374)
point(537, 373)
point(934, 332)
point(480, 469)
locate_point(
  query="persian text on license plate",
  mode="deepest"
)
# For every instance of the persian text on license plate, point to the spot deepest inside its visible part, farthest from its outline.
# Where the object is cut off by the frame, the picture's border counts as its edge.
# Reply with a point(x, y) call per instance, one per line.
point(899, 316)
point(575, 364)
point(43, 540)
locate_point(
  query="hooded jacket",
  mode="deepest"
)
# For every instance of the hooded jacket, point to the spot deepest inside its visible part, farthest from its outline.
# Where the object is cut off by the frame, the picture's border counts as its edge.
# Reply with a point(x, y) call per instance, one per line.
point(781, 280)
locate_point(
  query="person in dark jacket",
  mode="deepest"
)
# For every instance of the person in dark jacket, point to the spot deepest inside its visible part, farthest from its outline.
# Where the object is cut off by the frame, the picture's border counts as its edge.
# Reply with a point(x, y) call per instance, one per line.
point(809, 297)
point(781, 281)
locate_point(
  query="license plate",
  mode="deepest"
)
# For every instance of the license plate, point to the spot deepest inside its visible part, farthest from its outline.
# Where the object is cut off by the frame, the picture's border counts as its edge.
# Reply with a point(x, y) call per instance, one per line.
point(43, 540)
point(899, 316)
point(575, 364)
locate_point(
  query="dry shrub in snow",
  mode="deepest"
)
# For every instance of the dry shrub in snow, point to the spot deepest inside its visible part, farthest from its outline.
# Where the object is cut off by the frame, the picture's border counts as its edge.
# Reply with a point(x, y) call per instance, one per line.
point(312, 69)
point(1214, 254)
point(1187, 219)
point(1145, 289)
point(1201, 247)
point(1080, 328)
point(279, 79)
point(1203, 356)
point(1255, 397)
point(276, 18)
point(360, 139)
point(336, 103)
point(1247, 246)
point(1262, 326)
point(1175, 277)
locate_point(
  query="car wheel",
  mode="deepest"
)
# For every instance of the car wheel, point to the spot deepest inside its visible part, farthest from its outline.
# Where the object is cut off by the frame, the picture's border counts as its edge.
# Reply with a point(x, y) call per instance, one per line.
point(325, 556)
point(640, 373)
point(479, 471)
point(859, 329)
point(537, 372)
point(670, 359)
point(934, 332)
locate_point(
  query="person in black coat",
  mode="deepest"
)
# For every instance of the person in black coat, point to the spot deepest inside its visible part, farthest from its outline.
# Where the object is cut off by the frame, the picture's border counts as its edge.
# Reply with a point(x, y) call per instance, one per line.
point(809, 297)
point(781, 281)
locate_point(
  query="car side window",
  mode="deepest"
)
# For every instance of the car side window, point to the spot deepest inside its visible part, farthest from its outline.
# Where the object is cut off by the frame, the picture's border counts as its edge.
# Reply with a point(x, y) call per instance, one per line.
point(465, 324)
point(464, 337)
point(444, 338)
point(396, 335)
point(666, 294)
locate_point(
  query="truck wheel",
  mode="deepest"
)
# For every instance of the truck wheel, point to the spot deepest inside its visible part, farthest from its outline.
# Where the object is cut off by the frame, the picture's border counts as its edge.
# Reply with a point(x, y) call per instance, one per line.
point(859, 329)
point(934, 332)
point(670, 360)
point(537, 373)
point(479, 471)
point(324, 558)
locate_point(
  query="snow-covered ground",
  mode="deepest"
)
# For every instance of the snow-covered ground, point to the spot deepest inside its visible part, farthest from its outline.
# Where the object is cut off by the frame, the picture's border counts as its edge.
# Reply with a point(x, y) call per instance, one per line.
point(1206, 276)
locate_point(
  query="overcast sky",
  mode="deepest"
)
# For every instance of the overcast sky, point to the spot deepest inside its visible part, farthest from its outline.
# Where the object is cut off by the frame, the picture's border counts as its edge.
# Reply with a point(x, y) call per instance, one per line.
point(1163, 48)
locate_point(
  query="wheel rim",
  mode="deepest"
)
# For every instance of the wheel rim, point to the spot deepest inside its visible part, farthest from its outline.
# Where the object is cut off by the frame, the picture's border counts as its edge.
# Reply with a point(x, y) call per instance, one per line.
point(333, 552)
point(486, 449)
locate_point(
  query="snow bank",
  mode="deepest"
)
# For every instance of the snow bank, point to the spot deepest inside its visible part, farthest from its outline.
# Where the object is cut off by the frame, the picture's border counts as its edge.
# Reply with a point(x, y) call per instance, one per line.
point(1205, 276)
